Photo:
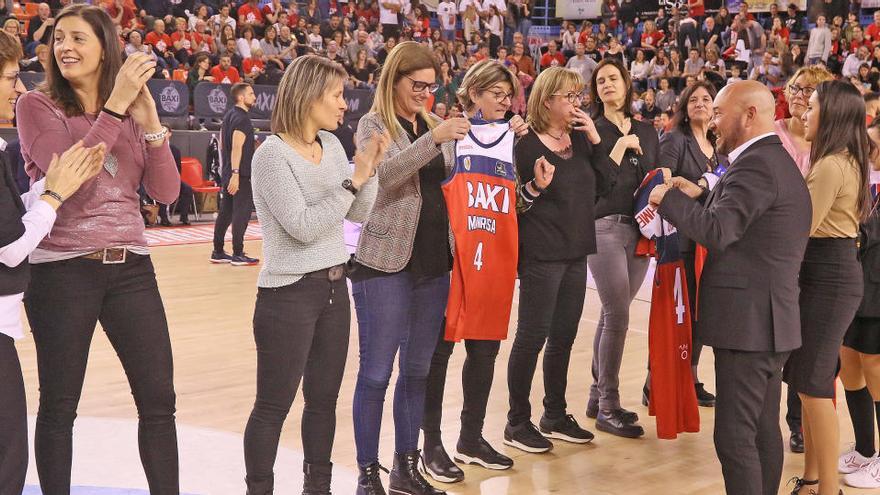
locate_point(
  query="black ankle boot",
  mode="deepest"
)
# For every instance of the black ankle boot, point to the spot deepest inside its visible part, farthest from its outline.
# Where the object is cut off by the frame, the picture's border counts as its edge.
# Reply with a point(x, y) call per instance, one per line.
point(316, 478)
point(437, 464)
point(369, 482)
point(406, 478)
point(263, 487)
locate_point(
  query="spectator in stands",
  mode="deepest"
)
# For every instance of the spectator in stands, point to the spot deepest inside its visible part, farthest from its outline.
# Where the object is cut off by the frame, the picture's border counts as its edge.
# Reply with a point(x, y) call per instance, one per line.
point(872, 32)
point(518, 105)
point(40, 63)
point(866, 81)
point(694, 63)
point(221, 20)
point(710, 34)
point(248, 41)
point(659, 69)
point(12, 27)
point(39, 28)
point(615, 51)
point(316, 41)
point(272, 50)
point(797, 55)
point(448, 84)
point(272, 11)
point(333, 53)
point(205, 41)
point(162, 44)
point(389, 12)
point(639, 70)
point(254, 68)
point(362, 71)
point(184, 42)
point(71, 283)
point(779, 34)
point(819, 46)
point(569, 38)
point(250, 15)
point(236, 198)
point(224, 72)
point(854, 61)
point(184, 200)
point(122, 15)
point(582, 63)
point(200, 14)
point(200, 72)
point(330, 26)
point(857, 39)
point(714, 70)
point(649, 108)
point(383, 52)
point(136, 45)
point(665, 96)
point(652, 40)
point(553, 57)
point(522, 60)
point(310, 12)
point(447, 15)
point(361, 43)
point(631, 40)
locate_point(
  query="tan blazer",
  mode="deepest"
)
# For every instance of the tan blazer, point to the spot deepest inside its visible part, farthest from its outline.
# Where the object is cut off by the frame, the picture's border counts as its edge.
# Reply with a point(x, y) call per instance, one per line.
point(386, 240)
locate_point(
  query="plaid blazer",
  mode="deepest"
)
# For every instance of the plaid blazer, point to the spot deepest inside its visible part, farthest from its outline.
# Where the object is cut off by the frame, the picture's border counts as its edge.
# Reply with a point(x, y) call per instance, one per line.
point(386, 240)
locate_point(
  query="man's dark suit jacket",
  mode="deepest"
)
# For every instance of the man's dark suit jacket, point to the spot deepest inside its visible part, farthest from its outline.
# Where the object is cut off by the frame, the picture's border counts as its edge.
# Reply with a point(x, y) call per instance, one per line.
point(755, 225)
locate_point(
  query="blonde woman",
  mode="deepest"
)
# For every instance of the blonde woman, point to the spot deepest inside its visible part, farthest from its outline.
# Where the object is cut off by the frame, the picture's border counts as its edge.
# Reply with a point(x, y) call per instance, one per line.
point(555, 235)
point(400, 278)
point(303, 190)
point(486, 92)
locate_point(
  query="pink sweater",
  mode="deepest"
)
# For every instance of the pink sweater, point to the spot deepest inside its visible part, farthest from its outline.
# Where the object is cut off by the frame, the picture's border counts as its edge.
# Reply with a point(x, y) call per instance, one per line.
point(105, 212)
point(801, 158)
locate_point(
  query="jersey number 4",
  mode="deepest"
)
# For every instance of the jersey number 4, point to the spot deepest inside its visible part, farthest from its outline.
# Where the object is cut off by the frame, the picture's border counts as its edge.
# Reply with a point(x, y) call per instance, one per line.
point(478, 257)
point(679, 297)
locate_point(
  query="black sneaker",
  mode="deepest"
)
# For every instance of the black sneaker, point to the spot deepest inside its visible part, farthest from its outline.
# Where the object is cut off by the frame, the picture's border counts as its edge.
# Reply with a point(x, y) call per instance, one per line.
point(612, 422)
point(219, 257)
point(437, 464)
point(565, 428)
point(527, 438)
point(704, 398)
point(593, 412)
point(481, 454)
point(243, 260)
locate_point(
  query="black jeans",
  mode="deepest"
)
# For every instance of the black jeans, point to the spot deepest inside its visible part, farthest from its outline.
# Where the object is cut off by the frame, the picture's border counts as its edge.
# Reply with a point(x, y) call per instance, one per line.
point(236, 210)
point(301, 331)
point(551, 300)
point(476, 383)
point(13, 417)
point(64, 302)
point(793, 410)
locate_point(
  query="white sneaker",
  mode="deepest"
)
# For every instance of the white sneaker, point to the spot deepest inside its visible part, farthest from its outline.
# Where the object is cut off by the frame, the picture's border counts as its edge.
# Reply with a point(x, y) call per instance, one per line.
point(867, 477)
point(852, 461)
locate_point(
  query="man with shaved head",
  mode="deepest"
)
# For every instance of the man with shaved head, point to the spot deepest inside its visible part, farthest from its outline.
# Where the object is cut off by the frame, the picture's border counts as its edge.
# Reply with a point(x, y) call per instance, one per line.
point(755, 224)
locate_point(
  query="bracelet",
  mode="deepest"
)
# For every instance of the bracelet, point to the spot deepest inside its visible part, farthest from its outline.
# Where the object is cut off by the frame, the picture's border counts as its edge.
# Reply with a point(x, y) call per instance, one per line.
point(152, 137)
point(52, 194)
point(235, 171)
point(535, 186)
point(112, 113)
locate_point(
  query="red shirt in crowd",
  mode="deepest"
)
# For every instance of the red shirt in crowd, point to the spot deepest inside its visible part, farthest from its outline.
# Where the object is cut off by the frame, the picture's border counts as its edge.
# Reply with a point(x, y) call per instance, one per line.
point(187, 40)
point(161, 43)
point(548, 59)
point(250, 13)
point(127, 14)
point(654, 39)
point(203, 42)
point(229, 76)
point(249, 63)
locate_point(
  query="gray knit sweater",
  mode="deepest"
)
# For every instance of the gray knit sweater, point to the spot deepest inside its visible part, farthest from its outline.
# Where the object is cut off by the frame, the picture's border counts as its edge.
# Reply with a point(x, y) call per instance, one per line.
point(301, 207)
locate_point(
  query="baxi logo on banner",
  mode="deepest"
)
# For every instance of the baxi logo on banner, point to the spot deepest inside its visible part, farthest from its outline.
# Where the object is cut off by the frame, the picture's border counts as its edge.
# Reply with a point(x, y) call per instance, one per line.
point(172, 97)
point(217, 100)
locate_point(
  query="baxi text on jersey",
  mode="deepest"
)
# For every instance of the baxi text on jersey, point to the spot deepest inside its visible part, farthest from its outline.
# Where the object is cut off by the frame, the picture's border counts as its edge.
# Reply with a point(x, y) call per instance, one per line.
point(476, 222)
point(488, 197)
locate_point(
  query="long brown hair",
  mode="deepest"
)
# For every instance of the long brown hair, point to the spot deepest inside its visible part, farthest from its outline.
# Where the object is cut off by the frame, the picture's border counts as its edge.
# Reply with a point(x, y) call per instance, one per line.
point(57, 87)
point(598, 105)
point(842, 128)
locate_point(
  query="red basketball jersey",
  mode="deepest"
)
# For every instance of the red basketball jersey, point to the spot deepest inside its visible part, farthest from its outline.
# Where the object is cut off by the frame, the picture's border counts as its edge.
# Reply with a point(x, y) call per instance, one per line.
point(481, 203)
point(673, 398)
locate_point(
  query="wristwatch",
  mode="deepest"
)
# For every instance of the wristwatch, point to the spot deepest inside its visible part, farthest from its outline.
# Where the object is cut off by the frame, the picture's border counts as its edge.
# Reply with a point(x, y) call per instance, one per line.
point(347, 184)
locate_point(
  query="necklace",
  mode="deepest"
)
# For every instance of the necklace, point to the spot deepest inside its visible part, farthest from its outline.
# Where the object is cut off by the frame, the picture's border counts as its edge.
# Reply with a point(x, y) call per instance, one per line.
point(554, 137)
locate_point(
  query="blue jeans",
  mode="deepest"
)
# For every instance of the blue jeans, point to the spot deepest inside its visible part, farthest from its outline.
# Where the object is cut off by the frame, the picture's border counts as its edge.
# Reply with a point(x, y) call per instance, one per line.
point(401, 311)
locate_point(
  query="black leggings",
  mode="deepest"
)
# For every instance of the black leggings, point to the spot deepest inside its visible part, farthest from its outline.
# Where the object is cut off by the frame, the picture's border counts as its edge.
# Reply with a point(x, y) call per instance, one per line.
point(13, 417)
point(64, 302)
point(301, 331)
point(476, 383)
point(236, 210)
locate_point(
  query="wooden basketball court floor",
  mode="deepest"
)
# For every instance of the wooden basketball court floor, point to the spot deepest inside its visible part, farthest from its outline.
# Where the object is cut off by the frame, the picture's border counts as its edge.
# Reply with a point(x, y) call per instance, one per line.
point(210, 309)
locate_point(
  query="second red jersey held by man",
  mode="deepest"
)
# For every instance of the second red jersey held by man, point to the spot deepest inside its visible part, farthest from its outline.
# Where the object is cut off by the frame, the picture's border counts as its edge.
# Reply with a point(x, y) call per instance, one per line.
point(481, 201)
point(673, 397)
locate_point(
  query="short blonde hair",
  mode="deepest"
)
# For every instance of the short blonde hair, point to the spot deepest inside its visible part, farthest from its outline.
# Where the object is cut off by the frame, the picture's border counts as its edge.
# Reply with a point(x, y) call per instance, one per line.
point(482, 76)
point(549, 82)
point(305, 81)
point(404, 59)
point(812, 73)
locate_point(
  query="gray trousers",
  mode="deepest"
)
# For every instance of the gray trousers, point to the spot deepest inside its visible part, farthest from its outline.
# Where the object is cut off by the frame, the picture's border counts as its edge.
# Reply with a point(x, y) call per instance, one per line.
point(618, 273)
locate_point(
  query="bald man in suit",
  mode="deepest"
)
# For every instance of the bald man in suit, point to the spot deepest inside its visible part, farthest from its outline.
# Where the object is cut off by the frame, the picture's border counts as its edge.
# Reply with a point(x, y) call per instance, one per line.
point(755, 224)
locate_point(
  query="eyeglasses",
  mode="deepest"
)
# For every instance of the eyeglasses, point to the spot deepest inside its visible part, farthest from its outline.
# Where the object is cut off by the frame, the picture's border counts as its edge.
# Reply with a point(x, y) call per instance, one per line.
point(500, 96)
point(806, 91)
point(419, 86)
point(572, 97)
point(13, 78)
